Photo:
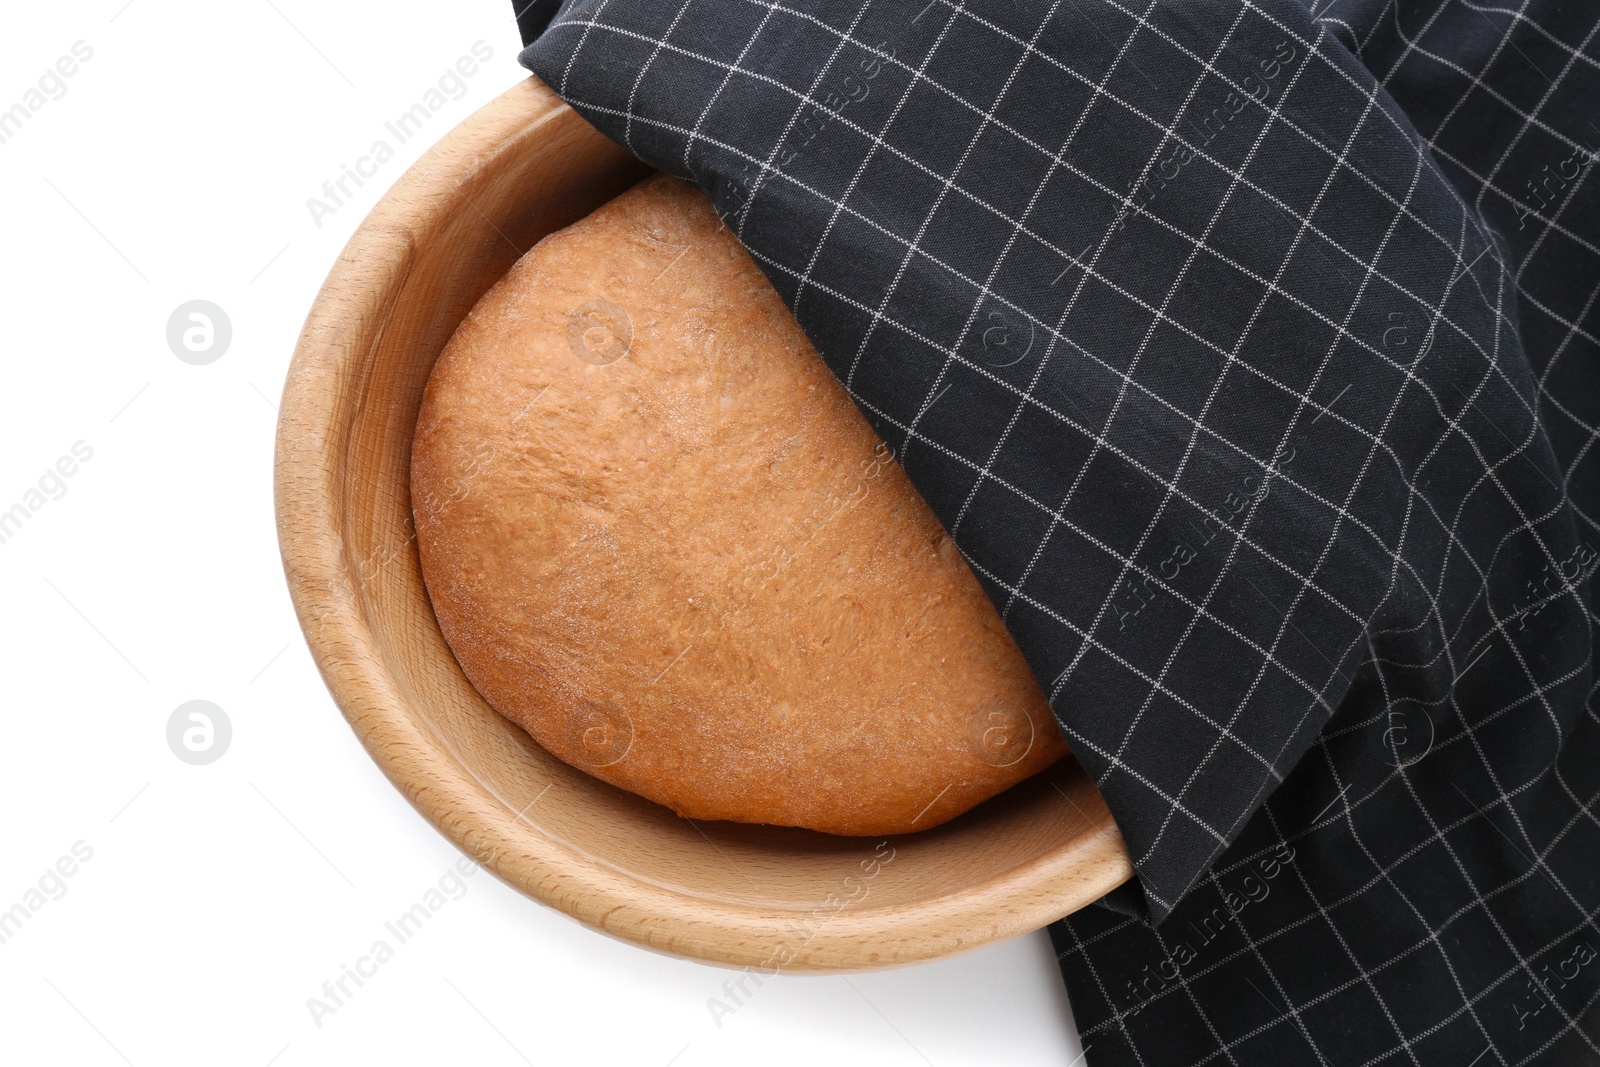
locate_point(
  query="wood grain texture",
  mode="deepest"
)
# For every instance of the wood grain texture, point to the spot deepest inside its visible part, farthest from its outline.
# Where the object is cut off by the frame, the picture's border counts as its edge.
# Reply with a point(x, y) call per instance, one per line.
point(757, 896)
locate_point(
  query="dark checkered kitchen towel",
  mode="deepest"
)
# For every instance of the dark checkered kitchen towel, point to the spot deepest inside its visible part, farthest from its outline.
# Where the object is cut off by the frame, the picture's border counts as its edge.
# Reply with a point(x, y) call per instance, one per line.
point(1248, 350)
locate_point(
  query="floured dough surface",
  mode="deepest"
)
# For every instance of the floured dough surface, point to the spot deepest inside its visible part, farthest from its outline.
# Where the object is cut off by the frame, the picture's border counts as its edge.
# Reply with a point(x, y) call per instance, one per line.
point(659, 537)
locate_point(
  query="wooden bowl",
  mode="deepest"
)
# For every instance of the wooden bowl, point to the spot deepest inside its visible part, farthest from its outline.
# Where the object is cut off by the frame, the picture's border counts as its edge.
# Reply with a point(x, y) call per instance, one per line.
point(756, 896)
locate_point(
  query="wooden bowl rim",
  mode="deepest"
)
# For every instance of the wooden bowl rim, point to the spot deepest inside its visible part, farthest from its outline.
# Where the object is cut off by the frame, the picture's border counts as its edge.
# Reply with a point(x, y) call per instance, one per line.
point(1019, 900)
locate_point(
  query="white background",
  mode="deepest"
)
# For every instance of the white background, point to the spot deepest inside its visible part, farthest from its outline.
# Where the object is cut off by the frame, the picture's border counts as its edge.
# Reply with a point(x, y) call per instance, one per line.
point(218, 899)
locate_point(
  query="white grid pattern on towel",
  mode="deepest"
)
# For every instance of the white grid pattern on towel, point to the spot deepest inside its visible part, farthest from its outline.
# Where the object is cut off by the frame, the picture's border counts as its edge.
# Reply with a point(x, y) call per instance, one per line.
point(1483, 334)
